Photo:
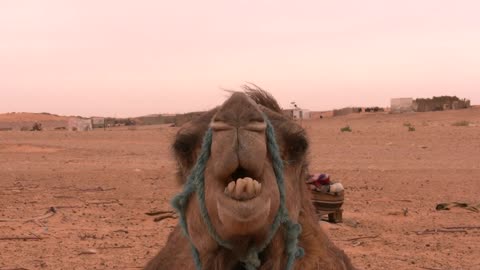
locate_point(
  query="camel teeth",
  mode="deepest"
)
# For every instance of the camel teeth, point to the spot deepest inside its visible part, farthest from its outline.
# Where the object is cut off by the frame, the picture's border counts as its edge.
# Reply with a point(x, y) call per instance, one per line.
point(239, 188)
point(229, 189)
point(257, 186)
point(250, 188)
point(243, 188)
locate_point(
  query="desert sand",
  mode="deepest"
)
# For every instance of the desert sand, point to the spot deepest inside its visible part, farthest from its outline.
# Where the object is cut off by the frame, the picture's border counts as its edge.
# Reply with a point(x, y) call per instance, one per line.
point(102, 183)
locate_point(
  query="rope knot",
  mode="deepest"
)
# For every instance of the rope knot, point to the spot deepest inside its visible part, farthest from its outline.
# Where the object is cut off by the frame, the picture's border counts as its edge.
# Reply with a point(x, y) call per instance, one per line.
point(251, 261)
point(300, 253)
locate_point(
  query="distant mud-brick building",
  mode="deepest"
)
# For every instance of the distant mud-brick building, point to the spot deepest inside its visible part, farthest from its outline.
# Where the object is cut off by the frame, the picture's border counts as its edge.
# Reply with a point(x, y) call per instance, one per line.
point(441, 103)
point(98, 122)
point(322, 114)
point(346, 111)
point(156, 119)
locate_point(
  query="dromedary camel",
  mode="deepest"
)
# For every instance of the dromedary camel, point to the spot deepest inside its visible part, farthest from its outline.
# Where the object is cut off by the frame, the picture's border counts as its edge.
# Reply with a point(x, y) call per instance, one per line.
point(243, 167)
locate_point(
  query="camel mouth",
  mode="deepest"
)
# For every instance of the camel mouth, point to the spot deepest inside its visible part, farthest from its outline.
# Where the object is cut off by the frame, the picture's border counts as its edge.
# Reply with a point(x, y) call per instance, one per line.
point(242, 186)
point(255, 210)
point(243, 205)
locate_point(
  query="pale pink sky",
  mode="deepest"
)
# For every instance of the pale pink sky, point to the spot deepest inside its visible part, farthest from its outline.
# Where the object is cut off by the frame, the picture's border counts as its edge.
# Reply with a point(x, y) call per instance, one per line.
point(130, 58)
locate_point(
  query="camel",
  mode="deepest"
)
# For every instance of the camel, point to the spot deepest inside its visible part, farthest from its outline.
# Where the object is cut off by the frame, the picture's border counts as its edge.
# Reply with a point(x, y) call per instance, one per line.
point(242, 195)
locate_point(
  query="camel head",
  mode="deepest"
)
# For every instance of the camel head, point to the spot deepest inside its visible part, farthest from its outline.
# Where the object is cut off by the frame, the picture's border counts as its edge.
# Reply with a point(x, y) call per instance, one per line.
point(241, 193)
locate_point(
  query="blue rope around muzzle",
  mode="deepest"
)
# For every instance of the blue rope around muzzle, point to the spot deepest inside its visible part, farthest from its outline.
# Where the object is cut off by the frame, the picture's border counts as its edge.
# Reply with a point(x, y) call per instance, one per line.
point(196, 183)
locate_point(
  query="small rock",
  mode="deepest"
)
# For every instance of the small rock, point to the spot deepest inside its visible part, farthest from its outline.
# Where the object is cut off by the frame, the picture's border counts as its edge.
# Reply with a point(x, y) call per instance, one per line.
point(351, 223)
point(89, 251)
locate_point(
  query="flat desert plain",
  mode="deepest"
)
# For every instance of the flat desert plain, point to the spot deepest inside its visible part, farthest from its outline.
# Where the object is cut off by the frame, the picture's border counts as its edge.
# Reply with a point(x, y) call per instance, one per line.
point(102, 183)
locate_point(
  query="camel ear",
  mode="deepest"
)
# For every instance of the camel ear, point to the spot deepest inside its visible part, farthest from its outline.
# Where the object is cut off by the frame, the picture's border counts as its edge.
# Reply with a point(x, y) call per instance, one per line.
point(184, 147)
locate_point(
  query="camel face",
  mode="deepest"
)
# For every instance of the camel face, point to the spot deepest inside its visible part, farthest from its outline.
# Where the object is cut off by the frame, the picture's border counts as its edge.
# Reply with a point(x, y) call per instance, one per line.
point(236, 192)
point(241, 192)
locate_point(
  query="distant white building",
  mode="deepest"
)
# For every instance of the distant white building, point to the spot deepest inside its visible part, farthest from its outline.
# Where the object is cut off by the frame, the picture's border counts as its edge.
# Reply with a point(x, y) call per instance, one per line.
point(297, 113)
point(399, 105)
point(79, 124)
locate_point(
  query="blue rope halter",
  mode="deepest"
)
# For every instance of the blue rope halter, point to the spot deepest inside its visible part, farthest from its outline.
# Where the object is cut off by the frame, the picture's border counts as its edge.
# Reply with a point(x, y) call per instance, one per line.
point(196, 183)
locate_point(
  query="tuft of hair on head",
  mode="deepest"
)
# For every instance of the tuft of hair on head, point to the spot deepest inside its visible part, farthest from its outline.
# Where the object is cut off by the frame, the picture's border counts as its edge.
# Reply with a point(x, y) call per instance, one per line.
point(261, 96)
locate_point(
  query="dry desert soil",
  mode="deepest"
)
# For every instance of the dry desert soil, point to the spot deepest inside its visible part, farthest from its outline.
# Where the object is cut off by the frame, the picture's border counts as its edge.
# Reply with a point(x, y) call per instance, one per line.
point(102, 183)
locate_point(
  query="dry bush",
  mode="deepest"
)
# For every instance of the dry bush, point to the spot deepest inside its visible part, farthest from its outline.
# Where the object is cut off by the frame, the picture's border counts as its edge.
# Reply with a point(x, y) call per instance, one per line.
point(461, 124)
point(346, 129)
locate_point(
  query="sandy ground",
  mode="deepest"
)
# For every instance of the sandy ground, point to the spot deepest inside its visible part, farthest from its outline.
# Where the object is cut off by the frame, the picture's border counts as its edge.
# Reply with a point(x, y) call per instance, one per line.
point(103, 182)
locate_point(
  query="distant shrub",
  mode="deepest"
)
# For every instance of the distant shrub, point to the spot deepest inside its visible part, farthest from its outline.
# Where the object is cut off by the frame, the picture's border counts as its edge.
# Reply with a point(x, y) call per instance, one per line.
point(411, 128)
point(37, 127)
point(346, 129)
point(130, 122)
point(461, 124)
